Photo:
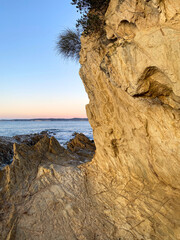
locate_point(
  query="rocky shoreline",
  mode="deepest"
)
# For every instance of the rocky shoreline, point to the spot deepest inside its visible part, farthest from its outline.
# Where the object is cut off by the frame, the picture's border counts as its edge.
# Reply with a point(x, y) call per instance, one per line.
point(42, 166)
point(131, 188)
point(6, 145)
point(79, 145)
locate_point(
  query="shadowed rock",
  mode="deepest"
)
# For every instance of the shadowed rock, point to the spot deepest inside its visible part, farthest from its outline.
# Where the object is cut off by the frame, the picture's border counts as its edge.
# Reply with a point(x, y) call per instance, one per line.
point(6, 145)
point(83, 147)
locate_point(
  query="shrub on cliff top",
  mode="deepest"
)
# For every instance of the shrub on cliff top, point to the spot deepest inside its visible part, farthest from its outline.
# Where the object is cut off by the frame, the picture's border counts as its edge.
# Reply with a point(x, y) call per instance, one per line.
point(91, 21)
point(82, 5)
point(92, 15)
point(69, 44)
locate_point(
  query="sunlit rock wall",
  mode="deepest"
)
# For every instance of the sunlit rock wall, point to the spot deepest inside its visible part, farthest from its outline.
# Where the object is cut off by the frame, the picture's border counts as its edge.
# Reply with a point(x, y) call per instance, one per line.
point(132, 77)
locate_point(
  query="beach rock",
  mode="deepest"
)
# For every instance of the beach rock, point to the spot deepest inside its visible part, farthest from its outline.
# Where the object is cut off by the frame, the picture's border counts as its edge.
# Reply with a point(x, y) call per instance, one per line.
point(6, 150)
point(6, 145)
point(43, 194)
point(82, 147)
point(80, 141)
point(30, 139)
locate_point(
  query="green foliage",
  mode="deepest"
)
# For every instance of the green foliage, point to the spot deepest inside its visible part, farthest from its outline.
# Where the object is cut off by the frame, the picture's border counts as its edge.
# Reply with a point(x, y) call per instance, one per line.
point(91, 21)
point(69, 44)
point(92, 15)
point(86, 5)
point(89, 24)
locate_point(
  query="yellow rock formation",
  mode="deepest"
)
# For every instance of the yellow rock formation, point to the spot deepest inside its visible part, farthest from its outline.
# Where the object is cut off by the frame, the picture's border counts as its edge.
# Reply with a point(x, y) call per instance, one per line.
point(131, 188)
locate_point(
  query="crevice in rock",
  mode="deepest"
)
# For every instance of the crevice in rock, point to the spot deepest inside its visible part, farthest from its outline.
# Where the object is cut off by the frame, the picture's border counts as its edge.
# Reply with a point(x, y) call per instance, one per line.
point(154, 85)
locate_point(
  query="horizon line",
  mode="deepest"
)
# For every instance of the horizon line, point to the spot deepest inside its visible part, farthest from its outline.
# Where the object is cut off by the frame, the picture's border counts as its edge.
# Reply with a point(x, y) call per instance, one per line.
point(41, 119)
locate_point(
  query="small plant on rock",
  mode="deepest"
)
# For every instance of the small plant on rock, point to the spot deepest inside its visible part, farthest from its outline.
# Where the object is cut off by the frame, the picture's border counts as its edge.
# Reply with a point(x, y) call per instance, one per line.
point(69, 44)
point(91, 21)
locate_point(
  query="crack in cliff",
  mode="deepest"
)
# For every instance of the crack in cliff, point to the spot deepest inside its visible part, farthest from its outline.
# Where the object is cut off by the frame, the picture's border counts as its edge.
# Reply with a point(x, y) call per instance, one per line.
point(156, 86)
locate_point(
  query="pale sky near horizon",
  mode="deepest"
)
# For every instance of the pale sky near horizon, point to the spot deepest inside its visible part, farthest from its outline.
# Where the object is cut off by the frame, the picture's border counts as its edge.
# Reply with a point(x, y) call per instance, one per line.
point(35, 81)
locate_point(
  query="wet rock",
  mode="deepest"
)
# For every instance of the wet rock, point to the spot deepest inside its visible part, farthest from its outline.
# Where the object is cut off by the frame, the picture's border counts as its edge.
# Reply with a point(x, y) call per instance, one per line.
point(30, 139)
point(6, 150)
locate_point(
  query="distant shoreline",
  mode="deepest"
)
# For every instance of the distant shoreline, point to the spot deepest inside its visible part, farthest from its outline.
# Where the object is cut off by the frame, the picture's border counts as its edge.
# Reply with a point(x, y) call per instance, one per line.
point(47, 119)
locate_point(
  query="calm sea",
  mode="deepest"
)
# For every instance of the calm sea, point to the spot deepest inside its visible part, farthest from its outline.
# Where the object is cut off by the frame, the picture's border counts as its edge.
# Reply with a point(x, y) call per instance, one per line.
point(61, 130)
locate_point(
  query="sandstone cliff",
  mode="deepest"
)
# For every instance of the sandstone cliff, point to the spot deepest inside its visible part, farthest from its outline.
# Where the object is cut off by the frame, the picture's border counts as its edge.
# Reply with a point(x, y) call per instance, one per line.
point(133, 82)
point(131, 188)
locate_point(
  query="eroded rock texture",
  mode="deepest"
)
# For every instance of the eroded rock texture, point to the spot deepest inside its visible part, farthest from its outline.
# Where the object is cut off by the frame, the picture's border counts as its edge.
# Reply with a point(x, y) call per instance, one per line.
point(43, 195)
point(131, 188)
point(6, 145)
point(133, 82)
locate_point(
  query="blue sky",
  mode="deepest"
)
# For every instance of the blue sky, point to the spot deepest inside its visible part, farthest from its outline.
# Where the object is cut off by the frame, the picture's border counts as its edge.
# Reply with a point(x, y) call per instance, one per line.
point(35, 81)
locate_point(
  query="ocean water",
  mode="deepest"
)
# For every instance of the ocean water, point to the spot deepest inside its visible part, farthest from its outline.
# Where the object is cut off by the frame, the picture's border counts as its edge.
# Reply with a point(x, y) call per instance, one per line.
point(61, 130)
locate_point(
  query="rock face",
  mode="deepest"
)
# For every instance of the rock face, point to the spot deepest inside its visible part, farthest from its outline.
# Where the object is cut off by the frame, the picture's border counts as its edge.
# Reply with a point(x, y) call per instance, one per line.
point(43, 195)
point(133, 83)
point(131, 188)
